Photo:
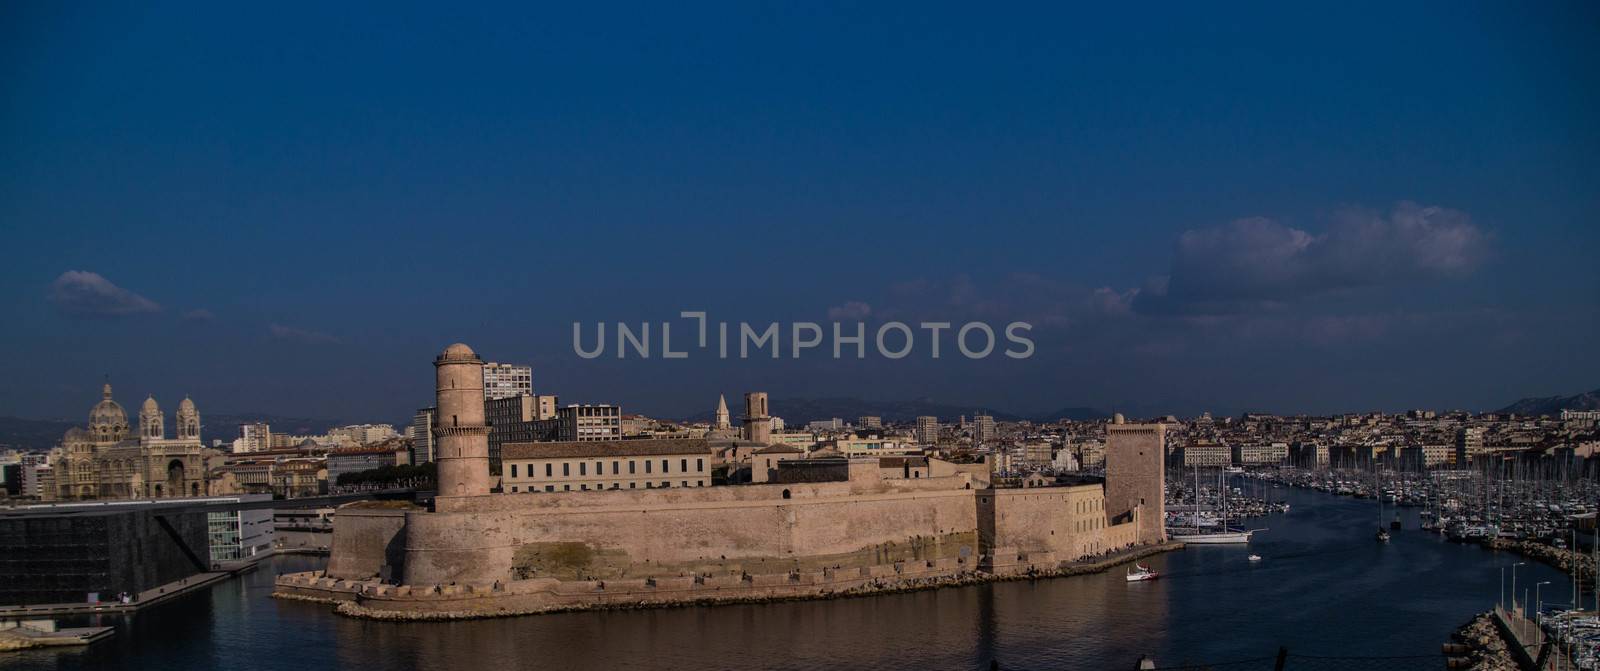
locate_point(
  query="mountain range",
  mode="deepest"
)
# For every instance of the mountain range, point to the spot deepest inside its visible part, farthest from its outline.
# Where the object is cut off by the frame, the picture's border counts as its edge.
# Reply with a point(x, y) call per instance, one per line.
point(1553, 405)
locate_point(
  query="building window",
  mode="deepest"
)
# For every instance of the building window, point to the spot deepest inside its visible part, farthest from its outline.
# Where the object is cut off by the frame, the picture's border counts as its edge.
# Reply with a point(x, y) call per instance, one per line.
point(513, 472)
point(566, 468)
point(549, 488)
point(547, 470)
point(700, 465)
point(633, 485)
point(631, 465)
point(683, 465)
point(647, 466)
point(663, 465)
point(614, 466)
point(583, 469)
point(786, 493)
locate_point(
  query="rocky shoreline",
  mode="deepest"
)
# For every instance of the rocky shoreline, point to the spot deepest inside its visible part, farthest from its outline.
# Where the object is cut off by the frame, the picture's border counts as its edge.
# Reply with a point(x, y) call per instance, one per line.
point(1566, 560)
point(874, 587)
point(1487, 649)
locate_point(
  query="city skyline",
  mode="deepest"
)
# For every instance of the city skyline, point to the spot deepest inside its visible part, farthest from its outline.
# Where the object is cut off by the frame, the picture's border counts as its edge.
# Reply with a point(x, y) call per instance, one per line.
point(1217, 215)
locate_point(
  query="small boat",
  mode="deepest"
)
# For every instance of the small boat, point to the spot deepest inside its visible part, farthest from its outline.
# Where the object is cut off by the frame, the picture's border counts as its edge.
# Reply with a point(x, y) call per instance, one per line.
point(1141, 572)
point(1255, 557)
point(1383, 535)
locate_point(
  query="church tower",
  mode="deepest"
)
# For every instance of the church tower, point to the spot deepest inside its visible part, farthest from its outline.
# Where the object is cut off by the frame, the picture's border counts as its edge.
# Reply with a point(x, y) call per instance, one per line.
point(722, 413)
point(460, 436)
point(150, 427)
point(188, 420)
point(757, 423)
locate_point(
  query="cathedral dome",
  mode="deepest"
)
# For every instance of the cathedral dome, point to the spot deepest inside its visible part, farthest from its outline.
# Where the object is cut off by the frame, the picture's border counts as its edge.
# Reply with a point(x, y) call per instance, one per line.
point(107, 412)
point(150, 406)
point(186, 406)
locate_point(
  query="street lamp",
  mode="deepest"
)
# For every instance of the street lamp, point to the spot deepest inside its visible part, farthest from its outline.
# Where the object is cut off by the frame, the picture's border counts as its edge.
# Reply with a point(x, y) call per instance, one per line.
point(1538, 609)
point(1514, 584)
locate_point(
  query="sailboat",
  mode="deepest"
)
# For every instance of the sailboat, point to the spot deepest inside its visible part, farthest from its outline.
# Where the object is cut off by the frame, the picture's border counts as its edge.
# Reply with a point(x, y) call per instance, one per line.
point(1377, 485)
point(1141, 572)
point(1224, 537)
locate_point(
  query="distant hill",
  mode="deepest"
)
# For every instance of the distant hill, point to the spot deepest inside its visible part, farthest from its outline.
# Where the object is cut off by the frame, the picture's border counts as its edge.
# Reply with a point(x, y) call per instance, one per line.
point(799, 411)
point(38, 434)
point(1553, 405)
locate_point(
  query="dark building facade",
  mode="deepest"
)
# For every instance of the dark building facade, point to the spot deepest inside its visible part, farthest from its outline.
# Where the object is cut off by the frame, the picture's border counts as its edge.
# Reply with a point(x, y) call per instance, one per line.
point(64, 557)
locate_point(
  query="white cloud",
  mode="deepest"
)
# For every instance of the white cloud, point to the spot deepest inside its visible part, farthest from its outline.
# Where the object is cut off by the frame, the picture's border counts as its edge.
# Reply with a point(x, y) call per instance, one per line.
point(84, 293)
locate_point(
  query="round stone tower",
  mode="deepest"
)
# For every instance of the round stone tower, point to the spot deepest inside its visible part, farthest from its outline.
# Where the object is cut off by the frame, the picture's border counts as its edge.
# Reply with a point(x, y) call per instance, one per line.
point(460, 437)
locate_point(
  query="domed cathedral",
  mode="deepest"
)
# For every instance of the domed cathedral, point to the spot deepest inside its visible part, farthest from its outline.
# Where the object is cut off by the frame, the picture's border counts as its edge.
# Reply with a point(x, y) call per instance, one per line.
point(104, 462)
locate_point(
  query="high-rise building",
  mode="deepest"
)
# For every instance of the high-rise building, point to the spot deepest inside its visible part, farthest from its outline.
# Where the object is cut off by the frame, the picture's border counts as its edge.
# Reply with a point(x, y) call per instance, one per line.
point(255, 437)
point(869, 422)
point(983, 430)
point(927, 430)
point(504, 380)
point(422, 423)
point(1469, 444)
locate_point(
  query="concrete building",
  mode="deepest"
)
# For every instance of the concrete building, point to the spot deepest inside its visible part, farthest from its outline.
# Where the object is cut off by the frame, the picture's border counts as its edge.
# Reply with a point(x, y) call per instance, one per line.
point(581, 466)
point(869, 422)
point(504, 380)
point(422, 425)
point(1205, 455)
point(1256, 454)
point(764, 462)
point(236, 535)
point(1469, 445)
point(255, 437)
point(757, 418)
point(927, 430)
point(983, 430)
point(588, 422)
point(519, 419)
point(870, 446)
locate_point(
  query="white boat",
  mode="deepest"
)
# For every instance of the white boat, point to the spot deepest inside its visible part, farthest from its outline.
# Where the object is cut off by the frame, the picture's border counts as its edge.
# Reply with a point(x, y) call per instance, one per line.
point(1255, 557)
point(1141, 572)
point(1228, 537)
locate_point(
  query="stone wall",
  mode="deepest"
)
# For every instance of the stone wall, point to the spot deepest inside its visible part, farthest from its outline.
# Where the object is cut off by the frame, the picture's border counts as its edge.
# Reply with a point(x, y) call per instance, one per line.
point(367, 543)
point(672, 532)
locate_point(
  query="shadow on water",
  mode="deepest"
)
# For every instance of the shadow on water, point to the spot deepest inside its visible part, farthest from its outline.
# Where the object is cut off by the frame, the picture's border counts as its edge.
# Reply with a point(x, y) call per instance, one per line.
point(1324, 587)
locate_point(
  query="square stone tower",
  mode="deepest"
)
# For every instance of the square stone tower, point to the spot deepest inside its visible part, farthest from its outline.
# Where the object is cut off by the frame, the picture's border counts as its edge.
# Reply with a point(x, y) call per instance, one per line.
point(1136, 483)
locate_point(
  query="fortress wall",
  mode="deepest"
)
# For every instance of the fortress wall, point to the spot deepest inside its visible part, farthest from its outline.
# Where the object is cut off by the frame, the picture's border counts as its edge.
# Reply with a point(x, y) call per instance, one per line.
point(681, 531)
point(690, 495)
point(367, 543)
point(1061, 520)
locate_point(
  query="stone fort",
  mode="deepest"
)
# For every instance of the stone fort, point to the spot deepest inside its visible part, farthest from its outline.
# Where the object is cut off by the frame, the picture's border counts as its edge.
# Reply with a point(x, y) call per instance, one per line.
point(479, 553)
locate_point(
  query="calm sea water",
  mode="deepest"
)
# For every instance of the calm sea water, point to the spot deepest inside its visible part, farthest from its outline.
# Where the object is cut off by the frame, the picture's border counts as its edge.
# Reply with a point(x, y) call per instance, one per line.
point(1324, 587)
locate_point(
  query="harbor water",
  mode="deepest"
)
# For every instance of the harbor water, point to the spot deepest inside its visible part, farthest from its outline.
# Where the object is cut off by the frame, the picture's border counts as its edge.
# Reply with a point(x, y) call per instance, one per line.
point(1323, 587)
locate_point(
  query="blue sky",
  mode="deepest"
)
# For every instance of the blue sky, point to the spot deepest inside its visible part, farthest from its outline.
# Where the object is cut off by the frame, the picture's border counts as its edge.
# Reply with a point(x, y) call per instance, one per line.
point(1312, 208)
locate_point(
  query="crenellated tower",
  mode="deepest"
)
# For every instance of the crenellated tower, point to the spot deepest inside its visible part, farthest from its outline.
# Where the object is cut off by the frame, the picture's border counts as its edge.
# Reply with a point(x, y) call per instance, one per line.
point(460, 436)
